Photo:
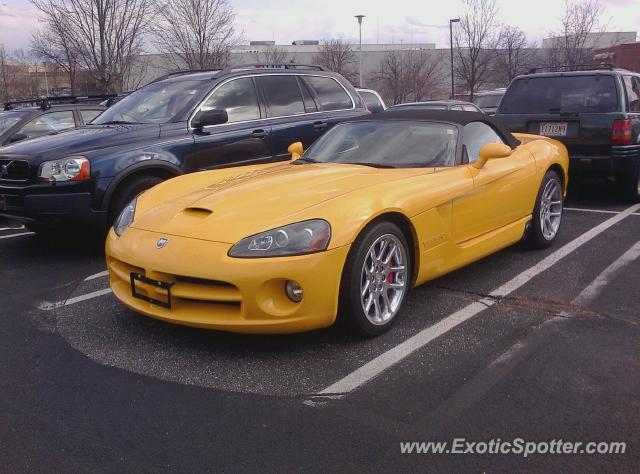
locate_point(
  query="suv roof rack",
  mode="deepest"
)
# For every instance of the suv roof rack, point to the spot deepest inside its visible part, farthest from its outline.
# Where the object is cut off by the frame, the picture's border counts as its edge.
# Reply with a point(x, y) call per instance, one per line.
point(244, 67)
point(45, 103)
point(576, 67)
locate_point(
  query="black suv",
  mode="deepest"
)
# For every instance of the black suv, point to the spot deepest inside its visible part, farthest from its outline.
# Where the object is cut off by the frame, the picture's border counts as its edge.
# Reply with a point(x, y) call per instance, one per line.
point(181, 123)
point(594, 112)
point(20, 120)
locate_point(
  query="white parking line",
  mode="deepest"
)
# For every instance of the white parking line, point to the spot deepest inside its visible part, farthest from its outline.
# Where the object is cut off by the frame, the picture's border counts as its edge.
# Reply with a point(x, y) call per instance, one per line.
point(384, 361)
point(593, 290)
point(12, 228)
point(48, 306)
point(97, 275)
point(11, 236)
point(597, 211)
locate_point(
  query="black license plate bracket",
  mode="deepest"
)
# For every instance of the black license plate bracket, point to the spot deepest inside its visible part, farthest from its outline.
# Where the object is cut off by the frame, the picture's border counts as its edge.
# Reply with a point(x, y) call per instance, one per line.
point(154, 283)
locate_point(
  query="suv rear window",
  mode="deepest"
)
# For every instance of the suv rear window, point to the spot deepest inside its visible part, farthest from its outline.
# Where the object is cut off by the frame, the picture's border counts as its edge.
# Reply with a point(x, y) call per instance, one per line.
point(558, 94)
point(331, 94)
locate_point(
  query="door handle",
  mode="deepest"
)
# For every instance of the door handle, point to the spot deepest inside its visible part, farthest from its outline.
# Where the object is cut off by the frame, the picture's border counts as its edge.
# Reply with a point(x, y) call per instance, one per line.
point(319, 125)
point(259, 133)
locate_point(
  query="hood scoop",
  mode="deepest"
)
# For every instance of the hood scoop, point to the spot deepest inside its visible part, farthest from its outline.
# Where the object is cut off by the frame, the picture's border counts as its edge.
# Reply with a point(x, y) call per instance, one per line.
point(197, 212)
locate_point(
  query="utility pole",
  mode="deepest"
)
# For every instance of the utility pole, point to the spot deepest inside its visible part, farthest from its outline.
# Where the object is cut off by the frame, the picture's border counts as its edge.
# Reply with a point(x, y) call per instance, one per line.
point(451, 22)
point(360, 17)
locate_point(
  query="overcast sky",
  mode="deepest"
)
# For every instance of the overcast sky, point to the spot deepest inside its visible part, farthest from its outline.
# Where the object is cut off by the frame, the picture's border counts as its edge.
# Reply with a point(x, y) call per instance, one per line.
point(386, 21)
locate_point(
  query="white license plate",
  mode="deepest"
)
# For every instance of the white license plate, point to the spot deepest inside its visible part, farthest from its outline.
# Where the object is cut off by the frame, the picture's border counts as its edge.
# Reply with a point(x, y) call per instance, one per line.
point(553, 129)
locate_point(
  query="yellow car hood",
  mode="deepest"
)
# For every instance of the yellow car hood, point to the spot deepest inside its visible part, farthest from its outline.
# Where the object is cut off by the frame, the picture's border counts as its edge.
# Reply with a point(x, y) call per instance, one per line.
point(256, 200)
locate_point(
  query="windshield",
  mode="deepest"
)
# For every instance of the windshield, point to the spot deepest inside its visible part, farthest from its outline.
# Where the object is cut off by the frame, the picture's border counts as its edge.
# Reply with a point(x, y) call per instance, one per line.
point(155, 103)
point(394, 144)
point(558, 94)
point(492, 100)
point(9, 119)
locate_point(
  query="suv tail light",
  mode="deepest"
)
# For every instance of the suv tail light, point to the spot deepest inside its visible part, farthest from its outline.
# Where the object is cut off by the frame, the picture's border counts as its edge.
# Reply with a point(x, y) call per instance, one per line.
point(621, 132)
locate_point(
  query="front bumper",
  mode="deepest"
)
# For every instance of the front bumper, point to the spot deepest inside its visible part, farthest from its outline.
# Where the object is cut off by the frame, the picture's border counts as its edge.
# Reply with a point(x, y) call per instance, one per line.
point(48, 205)
point(212, 290)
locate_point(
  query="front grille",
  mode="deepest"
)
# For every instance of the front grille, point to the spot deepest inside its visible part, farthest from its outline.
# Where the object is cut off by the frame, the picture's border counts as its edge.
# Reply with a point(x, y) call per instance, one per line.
point(186, 292)
point(14, 170)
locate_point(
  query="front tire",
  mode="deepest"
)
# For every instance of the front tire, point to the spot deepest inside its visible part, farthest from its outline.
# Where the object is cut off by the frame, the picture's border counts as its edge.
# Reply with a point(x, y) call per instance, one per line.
point(130, 190)
point(376, 279)
point(547, 213)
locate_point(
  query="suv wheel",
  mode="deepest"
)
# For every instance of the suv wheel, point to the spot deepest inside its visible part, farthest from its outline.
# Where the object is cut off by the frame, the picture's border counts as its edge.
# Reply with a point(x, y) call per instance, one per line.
point(130, 190)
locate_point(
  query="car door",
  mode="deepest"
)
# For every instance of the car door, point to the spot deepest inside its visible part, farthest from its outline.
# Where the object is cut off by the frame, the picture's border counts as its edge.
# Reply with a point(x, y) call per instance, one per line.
point(333, 99)
point(503, 189)
point(290, 110)
point(244, 139)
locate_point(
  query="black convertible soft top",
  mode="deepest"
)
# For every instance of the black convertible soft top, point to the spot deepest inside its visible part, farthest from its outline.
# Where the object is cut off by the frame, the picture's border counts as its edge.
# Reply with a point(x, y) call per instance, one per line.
point(447, 116)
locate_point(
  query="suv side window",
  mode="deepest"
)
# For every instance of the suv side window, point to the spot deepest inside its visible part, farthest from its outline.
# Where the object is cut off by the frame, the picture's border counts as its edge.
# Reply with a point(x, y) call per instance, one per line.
point(632, 85)
point(238, 97)
point(48, 123)
point(331, 94)
point(282, 95)
point(474, 136)
point(309, 103)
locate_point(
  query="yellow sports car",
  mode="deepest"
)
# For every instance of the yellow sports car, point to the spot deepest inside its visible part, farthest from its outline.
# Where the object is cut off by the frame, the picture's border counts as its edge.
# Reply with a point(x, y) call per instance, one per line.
point(375, 207)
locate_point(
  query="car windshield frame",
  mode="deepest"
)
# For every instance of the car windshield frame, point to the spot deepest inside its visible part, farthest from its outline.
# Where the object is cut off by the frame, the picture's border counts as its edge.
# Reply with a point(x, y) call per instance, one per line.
point(6, 114)
point(152, 96)
point(322, 150)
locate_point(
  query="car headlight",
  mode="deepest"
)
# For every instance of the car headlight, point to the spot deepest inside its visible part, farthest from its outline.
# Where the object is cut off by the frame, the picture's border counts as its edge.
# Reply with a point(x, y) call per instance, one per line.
point(125, 218)
point(293, 239)
point(72, 168)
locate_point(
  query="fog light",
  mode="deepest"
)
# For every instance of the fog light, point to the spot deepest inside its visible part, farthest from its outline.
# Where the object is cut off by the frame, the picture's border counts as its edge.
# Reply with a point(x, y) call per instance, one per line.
point(294, 291)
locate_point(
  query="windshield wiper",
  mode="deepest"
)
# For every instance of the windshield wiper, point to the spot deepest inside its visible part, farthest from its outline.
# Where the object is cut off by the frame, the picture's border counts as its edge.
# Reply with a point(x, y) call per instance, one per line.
point(305, 160)
point(372, 165)
point(118, 122)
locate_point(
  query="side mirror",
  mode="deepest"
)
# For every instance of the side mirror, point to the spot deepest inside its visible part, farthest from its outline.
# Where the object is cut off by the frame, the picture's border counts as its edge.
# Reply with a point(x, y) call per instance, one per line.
point(17, 137)
point(491, 151)
point(296, 150)
point(204, 118)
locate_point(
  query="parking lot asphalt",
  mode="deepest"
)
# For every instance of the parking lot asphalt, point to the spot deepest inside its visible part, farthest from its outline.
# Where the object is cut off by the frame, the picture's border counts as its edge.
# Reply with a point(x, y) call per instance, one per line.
point(538, 345)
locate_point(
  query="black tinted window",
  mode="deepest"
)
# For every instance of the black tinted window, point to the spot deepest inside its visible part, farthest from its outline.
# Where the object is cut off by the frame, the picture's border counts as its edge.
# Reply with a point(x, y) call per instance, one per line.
point(331, 94)
point(475, 135)
point(632, 85)
point(372, 102)
point(543, 95)
point(238, 98)
point(283, 95)
point(309, 103)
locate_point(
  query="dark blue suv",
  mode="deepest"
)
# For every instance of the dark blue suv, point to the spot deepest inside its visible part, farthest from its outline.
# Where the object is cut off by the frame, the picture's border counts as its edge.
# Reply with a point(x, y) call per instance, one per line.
point(181, 123)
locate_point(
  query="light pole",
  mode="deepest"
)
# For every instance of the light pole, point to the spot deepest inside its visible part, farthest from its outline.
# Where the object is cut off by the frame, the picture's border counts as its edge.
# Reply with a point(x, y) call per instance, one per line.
point(360, 17)
point(451, 22)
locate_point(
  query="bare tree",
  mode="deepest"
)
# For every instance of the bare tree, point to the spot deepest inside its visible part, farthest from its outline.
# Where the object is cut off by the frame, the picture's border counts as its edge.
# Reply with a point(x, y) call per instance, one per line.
point(412, 75)
point(578, 20)
point(4, 73)
point(106, 34)
point(513, 55)
point(476, 42)
point(30, 63)
point(53, 43)
point(196, 34)
point(272, 55)
point(337, 56)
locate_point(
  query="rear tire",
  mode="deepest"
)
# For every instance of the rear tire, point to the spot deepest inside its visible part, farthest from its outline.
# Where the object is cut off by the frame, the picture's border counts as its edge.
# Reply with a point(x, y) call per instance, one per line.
point(547, 213)
point(376, 279)
point(630, 185)
point(130, 190)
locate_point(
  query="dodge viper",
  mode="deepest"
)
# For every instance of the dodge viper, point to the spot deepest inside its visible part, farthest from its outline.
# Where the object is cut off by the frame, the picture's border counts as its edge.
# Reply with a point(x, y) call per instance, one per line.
point(376, 206)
